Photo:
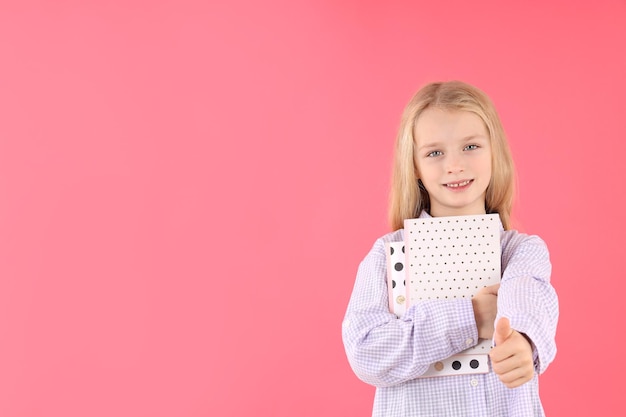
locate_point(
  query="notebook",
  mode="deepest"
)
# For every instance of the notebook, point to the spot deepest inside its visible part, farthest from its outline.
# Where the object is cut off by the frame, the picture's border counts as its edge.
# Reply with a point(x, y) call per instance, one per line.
point(443, 258)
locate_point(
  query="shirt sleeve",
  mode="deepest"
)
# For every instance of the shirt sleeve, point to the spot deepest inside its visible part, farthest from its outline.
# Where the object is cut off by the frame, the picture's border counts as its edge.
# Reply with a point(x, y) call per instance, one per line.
point(527, 298)
point(384, 350)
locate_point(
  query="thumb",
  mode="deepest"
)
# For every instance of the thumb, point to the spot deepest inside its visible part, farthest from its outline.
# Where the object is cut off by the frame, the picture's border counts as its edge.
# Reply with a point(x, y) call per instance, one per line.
point(503, 331)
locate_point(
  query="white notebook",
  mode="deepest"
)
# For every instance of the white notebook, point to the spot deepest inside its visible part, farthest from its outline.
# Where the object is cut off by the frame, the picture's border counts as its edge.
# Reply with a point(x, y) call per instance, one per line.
point(447, 257)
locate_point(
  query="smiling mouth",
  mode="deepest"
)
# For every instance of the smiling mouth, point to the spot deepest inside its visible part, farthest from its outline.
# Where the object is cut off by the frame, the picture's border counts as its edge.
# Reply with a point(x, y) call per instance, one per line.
point(458, 184)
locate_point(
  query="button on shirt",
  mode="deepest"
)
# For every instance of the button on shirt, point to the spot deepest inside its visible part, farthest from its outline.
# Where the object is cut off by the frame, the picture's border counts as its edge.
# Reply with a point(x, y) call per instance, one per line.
point(391, 353)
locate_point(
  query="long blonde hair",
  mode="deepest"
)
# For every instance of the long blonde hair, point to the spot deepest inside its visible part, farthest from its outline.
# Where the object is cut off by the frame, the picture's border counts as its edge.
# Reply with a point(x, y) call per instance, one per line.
point(408, 198)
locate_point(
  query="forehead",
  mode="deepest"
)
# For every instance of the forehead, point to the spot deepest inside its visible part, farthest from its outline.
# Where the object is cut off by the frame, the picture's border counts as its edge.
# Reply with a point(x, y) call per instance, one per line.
point(435, 124)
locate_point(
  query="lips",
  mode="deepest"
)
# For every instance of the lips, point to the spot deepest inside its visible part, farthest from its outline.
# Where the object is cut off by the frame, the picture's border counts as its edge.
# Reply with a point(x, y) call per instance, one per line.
point(458, 184)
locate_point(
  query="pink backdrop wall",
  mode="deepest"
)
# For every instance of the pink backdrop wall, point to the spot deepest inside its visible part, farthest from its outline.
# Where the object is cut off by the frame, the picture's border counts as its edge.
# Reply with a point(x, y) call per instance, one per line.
point(187, 188)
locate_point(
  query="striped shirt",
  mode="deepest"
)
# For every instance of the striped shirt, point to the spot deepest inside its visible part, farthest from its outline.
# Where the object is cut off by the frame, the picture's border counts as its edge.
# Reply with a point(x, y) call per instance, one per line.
point(390, 352)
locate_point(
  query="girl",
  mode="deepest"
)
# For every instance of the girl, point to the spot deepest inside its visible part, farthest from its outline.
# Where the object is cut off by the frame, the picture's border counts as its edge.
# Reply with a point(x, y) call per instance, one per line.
point(452, 159)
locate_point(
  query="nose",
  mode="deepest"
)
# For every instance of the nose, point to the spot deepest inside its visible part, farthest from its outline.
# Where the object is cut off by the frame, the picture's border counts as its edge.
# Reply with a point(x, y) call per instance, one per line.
point(454, 163)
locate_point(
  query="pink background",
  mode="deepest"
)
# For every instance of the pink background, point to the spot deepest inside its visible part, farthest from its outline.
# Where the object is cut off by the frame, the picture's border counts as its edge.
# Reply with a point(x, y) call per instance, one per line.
point(187, 188)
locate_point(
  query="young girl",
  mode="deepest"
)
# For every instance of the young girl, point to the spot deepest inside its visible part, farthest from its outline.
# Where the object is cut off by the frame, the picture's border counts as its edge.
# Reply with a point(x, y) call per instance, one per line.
point(452, 159)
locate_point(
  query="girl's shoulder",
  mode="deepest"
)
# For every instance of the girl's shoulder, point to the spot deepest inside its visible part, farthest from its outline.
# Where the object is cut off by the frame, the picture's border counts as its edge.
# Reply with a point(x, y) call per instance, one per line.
point(516, 237)
point(379, 244)
point(513, 240)
point(395, 236)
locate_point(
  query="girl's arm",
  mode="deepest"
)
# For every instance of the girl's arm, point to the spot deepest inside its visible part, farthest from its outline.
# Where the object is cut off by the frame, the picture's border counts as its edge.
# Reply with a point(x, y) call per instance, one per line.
point(385, 350)
point(526, 296)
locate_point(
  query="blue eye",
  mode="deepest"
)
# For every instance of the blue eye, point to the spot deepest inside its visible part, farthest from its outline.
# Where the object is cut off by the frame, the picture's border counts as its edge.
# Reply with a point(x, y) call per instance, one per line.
point(470, 147)
point(433, 154)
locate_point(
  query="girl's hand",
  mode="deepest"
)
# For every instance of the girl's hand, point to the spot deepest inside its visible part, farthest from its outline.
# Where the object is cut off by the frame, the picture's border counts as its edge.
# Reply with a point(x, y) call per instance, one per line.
point(512, 357)
point(485, 304)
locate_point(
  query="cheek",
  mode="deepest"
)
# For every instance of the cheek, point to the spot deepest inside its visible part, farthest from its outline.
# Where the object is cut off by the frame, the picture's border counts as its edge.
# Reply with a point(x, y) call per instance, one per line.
point(416, 170)
point(487, 164)
point(488, 168)
point(488, 172)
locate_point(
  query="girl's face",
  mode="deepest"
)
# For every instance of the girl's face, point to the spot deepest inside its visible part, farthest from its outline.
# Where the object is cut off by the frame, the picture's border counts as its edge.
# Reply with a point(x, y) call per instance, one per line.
point(453, 160)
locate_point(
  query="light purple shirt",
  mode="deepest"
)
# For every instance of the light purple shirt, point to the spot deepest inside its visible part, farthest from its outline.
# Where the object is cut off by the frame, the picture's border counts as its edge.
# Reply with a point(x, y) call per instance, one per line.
point(390, 352)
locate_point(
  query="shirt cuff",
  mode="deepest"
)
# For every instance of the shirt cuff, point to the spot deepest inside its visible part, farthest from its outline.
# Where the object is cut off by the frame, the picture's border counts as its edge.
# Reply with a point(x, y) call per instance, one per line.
point(468, 332)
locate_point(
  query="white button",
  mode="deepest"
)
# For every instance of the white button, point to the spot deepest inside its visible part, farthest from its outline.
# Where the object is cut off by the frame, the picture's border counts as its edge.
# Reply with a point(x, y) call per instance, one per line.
point(474, 382)
point(469, 342)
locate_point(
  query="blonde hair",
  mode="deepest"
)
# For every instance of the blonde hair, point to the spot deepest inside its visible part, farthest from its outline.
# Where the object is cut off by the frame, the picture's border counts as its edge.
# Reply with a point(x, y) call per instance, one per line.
point(407, 197)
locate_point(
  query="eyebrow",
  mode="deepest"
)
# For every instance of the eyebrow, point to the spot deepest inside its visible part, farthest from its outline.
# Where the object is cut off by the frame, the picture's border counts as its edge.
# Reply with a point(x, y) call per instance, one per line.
point(464, 140)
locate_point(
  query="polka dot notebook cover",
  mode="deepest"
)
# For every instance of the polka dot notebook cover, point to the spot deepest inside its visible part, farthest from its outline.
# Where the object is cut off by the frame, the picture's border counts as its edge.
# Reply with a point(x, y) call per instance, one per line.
point(396, 277)
point(443, 258)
